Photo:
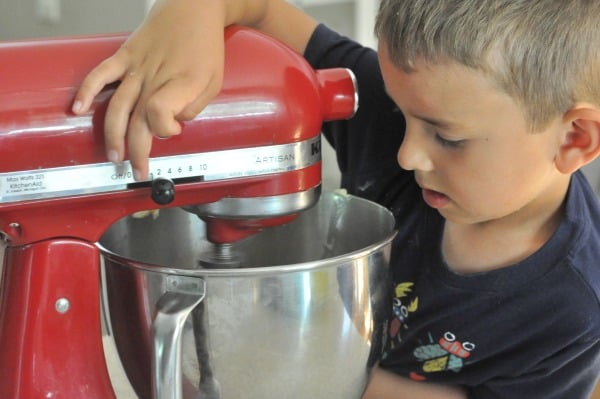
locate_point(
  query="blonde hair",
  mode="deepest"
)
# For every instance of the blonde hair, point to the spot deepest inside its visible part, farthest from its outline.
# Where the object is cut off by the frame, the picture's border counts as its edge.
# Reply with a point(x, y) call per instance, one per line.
point(543, 53)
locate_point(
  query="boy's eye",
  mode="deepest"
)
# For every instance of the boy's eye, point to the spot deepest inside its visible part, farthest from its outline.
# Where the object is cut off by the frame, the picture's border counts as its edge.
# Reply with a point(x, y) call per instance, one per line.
point(448, 143)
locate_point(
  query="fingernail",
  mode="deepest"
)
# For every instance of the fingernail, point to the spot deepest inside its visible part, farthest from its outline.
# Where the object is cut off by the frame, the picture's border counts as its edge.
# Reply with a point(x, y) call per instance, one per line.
point(137, 175)
point(77, 105)
point(113, 156)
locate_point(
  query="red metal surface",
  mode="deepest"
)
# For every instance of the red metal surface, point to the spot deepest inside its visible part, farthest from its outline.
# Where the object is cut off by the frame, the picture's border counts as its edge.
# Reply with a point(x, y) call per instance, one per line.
point(47, 354)
point(87, 217)
point(338, 93)
point(223, 231)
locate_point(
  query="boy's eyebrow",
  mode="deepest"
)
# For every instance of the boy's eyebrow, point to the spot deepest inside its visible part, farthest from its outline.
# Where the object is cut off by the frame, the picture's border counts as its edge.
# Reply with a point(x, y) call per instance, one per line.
point(432, 121)
point(437, 122)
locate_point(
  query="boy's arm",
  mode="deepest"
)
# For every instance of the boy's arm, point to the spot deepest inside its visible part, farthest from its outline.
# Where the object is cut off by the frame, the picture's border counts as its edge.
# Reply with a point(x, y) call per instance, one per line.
point(277, 18)
point(385, 385)
point(171, 67)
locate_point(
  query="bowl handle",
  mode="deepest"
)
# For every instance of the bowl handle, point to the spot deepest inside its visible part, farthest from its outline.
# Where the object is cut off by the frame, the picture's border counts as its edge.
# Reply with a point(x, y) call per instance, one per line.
point(182, 295)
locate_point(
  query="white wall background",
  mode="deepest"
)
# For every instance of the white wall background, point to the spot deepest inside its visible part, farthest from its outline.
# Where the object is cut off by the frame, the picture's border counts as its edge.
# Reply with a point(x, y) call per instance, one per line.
point(41, 18)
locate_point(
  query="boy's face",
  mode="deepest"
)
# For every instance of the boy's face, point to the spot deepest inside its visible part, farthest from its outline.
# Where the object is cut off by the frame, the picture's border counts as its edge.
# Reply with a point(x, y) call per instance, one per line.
point(470, 146)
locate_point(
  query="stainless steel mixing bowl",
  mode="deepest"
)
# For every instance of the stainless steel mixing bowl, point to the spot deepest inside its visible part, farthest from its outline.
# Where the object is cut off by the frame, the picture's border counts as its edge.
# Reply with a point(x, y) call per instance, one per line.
point(301, 318)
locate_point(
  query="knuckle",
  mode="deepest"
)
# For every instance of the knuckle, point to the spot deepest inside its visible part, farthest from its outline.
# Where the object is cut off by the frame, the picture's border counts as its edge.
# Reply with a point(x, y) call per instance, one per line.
point(155, 105)
point(188, 114)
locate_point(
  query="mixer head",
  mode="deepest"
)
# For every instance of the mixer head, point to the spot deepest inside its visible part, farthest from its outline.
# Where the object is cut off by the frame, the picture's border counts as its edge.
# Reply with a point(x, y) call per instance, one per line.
point(250, 160)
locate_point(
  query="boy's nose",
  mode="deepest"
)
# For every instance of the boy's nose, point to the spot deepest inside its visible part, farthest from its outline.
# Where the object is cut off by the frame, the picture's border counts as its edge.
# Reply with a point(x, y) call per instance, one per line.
point(413, 154)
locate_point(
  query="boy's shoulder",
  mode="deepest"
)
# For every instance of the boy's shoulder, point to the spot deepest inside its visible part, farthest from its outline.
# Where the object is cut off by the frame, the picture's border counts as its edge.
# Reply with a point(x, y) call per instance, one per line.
point(582, 210)
point(582, 222)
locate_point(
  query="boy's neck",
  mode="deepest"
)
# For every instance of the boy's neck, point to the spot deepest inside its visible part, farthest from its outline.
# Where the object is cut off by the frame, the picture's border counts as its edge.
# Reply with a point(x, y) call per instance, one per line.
point(481, 247)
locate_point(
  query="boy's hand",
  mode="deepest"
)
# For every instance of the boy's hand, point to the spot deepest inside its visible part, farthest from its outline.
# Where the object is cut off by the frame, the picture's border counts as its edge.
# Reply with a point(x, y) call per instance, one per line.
point(168, 72)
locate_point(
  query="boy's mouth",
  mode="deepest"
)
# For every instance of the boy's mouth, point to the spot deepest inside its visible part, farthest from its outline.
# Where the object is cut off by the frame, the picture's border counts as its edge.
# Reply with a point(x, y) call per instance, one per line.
point(435, 199)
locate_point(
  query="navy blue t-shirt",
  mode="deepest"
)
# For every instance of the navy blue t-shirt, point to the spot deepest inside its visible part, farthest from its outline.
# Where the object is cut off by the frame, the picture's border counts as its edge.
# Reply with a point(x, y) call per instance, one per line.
point(531, 330)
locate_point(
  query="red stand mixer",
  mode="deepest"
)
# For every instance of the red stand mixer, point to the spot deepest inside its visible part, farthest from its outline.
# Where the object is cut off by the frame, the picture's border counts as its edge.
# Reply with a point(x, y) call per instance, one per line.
point(249, 161)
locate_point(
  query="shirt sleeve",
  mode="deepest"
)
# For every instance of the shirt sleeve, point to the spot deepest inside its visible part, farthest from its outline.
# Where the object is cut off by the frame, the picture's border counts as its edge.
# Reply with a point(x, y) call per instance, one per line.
point(366, 145)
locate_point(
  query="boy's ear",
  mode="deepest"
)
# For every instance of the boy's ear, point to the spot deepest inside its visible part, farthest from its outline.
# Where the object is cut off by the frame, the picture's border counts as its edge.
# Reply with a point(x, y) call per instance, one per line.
point(581, 143)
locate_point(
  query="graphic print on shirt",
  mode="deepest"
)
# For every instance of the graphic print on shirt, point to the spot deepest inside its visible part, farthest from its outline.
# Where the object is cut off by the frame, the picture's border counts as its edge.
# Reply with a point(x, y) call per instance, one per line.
point(447, 354)
point(404, 304)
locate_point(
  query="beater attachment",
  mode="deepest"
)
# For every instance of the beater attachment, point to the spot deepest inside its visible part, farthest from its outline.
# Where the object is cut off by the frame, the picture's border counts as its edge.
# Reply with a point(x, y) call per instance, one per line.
point(221, 256)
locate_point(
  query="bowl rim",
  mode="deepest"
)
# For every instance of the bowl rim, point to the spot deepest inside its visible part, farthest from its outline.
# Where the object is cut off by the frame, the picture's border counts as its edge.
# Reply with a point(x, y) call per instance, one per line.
point(339, 260)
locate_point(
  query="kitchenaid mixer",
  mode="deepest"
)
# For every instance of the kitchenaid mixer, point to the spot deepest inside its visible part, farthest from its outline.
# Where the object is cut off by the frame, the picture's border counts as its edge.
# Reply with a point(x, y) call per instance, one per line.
point(250, 160)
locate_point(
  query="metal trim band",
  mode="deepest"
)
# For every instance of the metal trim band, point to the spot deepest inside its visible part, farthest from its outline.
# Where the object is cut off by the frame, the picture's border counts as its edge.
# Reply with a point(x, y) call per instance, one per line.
point(208, 166)
point(258, 207)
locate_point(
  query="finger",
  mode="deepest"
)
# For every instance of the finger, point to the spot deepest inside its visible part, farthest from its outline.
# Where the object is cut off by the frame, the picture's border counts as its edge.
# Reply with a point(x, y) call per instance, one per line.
point(108, 71)
point(195, 107)
point(139, 143)
point(211, 89)
point(117, 116)
point(177, 100)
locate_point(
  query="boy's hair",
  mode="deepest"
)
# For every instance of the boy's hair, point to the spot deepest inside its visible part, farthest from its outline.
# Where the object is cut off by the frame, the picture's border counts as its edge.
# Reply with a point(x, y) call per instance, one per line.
point(543, 53)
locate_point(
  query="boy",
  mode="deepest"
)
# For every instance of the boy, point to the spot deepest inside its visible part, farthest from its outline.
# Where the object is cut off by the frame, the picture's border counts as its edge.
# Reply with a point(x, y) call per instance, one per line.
point(492, 107)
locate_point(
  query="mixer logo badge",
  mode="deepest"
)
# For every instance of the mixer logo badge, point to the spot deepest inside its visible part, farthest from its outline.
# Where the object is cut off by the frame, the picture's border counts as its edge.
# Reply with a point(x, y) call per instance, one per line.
point(276, 159)
point(315, 148)
point(27, 183)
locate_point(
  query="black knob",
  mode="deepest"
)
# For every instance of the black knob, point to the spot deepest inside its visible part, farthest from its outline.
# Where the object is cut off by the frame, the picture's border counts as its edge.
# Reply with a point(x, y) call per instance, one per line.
point(163, 191)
